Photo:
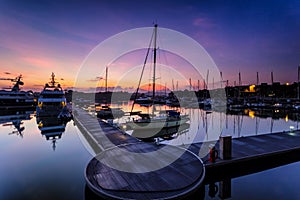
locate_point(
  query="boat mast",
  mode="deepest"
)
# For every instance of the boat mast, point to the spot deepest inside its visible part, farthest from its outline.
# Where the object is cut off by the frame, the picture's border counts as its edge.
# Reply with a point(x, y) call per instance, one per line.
point(298, 92)
point(173, 87)
point(240, 79)
point(207, 79)
point(154, 58)
point(106, 75)
point(221, 77)
point(272, 80)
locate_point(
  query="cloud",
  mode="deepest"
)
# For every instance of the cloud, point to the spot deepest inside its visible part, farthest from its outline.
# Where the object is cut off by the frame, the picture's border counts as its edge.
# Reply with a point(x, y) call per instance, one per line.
point(203, 22)
point(98, 78)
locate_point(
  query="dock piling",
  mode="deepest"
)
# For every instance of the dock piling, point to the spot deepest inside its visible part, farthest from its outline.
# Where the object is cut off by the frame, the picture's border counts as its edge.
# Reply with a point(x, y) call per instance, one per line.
point(225, 147)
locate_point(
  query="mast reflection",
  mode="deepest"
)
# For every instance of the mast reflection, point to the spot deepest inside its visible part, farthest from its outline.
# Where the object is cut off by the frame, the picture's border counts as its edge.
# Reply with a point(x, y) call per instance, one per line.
point(14, 119)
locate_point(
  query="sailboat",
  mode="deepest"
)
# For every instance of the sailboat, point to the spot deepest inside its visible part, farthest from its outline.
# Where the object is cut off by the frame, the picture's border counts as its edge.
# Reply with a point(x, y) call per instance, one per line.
point(165, 119)
point(105, 111)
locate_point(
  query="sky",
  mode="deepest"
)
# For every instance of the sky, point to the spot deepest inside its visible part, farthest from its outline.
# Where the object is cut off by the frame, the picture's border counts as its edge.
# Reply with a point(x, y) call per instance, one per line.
point(38, 37)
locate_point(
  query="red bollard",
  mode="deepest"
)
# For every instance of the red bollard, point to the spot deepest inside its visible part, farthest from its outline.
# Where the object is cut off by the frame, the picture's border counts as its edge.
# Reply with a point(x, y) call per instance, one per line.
point(213, 153)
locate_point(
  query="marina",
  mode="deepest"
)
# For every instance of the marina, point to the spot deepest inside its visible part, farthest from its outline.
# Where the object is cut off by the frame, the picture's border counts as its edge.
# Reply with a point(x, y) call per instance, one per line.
point(243, 145)
point(149, 100)
point(133, 147)
point(248, 154)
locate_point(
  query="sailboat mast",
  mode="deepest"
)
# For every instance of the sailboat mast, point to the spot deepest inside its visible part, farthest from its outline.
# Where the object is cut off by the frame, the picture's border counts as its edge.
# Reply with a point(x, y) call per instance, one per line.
point(165, 89)
point(298, 91)
point(207, 79)
point(240, 79)
point(221, 77)
point(154, 59)
point(106, 75)
point(272, 80)
point(173, 87)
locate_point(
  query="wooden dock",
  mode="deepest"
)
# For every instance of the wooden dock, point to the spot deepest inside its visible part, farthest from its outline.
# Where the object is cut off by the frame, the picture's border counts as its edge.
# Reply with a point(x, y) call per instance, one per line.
point(251, 154)
point(126, 168)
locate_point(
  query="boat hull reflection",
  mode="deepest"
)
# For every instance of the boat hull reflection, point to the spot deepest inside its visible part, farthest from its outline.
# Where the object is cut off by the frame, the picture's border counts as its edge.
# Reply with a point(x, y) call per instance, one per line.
point(165, 133)
point(52, 127)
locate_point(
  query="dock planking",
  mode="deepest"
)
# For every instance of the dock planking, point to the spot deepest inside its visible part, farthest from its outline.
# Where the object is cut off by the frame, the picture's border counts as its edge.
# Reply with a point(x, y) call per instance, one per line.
point(251, 154)
point(149, 171)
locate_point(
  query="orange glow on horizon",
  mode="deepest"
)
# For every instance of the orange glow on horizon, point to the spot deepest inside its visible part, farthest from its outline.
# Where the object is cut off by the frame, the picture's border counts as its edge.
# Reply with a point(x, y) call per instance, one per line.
point(157, 87)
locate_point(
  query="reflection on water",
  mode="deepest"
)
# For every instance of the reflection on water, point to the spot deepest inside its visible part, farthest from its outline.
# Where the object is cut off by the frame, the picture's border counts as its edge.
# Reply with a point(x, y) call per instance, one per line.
point(14, 119)
point(52, 127)
point(33, 167)
point(29, 167)
point(209, 125)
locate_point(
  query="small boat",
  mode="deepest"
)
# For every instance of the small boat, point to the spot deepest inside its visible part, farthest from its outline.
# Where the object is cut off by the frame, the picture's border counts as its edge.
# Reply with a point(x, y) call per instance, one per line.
point(166, 133)
point(15, 98)
point(52, 100)
point(144, 101)
point(106, 112)
point(166, 119)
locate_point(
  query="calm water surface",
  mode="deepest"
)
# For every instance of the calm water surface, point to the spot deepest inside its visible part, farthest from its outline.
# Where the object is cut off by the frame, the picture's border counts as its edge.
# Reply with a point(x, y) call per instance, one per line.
point(32, 169)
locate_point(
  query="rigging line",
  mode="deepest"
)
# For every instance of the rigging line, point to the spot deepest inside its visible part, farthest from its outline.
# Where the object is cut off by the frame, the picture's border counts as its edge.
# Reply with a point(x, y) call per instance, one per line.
point(140, 80)
point(162, 45)
point(162, 58)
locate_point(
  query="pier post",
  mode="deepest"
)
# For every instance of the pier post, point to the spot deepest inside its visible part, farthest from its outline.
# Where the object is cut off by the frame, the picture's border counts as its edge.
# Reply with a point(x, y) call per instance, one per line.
point(225, 189)
point(225, 147)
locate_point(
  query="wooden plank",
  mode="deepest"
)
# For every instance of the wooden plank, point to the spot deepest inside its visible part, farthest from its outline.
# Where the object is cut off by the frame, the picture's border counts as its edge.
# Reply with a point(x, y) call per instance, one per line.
point(179, 176)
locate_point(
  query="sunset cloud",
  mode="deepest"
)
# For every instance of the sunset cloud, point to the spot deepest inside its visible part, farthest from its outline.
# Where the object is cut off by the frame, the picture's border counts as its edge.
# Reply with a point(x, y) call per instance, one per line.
point(96, 79)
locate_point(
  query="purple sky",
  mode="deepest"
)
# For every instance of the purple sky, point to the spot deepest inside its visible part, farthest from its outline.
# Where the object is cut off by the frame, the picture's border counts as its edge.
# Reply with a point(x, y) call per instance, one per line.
point(38, 37)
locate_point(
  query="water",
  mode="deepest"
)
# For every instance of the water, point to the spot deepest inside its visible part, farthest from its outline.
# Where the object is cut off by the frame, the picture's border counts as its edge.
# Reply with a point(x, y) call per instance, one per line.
point(31, 169)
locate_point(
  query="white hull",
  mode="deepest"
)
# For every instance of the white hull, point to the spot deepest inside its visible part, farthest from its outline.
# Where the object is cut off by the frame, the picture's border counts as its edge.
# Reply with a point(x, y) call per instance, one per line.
point(155, 124)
